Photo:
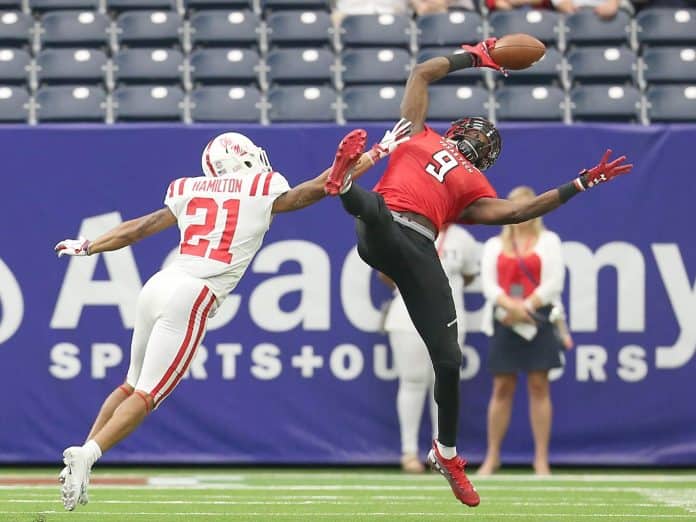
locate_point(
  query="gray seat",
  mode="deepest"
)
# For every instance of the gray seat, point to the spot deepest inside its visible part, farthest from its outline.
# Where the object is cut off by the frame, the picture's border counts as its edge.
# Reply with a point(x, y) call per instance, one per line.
point(71, 103)
point(302, 103)
point(127, 5)
point(375, 65)
point(602, 65)
point(530, 103)
point(299, 28)
point(218, 4)
point(15, 28)
point(670, 64)
point(71, 66)
point(230, 66)
point(227, 28)
point(226, 103)
point(373, 102)
point(546, 70)
point(300, 65)
point(471, 75)
point(448, 102)
point(148, 103)
point(605, 103)
point(149, 28)
point(49, 5)
point(14, 103)
point(295, 4)
point(453, 29)
point(666, 26)
point(672, 103)
point(74, 28)
point(383, 30)
point(543, 24)
point(14, 65)
point(141, 65)
point(586, 28)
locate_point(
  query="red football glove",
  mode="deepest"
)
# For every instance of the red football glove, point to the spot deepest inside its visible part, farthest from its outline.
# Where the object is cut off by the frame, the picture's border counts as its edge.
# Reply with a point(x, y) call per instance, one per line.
point(481, 54)
point(603, 171)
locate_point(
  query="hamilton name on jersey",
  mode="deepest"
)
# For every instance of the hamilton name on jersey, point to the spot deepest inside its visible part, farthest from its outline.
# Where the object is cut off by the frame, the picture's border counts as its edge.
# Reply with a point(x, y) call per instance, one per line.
point(230, 185)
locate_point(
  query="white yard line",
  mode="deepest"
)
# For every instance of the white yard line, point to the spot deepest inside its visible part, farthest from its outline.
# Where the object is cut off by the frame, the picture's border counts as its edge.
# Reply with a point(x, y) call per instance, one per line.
point(677, 498)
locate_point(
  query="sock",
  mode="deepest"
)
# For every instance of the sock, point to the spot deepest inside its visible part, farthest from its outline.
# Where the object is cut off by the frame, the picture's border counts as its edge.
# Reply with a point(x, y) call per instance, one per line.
point(93, 451)
point(448, 452)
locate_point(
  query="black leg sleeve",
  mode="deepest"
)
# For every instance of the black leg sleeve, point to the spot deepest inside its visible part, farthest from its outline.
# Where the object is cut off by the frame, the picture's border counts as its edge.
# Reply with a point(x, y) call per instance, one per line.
point(364, 205)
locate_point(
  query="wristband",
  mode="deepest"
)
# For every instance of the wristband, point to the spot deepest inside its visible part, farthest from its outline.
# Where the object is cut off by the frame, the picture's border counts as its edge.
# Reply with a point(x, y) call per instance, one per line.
point(567, 191)
point(460, 61)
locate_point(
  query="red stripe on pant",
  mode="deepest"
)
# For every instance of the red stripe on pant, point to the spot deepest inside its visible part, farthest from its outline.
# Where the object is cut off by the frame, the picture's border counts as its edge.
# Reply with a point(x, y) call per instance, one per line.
point(192, 352)
point(184, 345)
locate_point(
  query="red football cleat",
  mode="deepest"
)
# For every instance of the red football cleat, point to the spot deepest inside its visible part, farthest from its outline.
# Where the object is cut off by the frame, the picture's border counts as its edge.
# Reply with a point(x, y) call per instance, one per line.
point(453, 471)
point(349, 151)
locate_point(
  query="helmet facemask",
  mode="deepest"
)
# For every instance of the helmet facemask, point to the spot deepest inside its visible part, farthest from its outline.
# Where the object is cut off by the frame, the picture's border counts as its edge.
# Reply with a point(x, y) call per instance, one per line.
point(477, 139)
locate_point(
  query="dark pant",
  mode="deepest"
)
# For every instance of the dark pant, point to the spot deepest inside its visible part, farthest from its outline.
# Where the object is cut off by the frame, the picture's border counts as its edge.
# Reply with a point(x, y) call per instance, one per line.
point(411, 261)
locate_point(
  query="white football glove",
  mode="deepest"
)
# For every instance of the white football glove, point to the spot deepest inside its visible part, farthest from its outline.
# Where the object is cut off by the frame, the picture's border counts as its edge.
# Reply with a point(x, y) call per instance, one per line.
point(72, 247)
point(400, 133)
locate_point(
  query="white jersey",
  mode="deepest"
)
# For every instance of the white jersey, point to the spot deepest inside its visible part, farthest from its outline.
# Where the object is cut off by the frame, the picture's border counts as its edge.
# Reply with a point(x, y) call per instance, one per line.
point(222, 221)
point(459, 254)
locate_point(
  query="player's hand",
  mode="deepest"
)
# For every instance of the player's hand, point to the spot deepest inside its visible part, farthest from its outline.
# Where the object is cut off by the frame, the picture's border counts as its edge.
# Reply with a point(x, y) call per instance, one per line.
point(72, 247)
point(400, 133)
point(482, 54)
point(604, 171)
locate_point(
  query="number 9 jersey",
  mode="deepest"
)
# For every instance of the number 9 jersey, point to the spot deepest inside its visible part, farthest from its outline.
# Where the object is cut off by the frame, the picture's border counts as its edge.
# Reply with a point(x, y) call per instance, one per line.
point(429, 176)
point(222, 221)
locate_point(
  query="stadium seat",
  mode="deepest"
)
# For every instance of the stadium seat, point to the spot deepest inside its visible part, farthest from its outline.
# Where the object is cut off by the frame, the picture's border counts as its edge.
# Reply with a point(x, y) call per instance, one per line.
point(220, 103)
point(302, 103)
point(547, 70)
point(375, 66)
point(453, 29)
point(663, 26)
point(543, 24)
point(71, 66)
point(295, 4)
point(383, 30)
point(127, 5)
point(470, 75)
point(605, 103)
point(529, 103)
point(667, 103)
point(669, 65)
point(300, 65)
point(211, 28)
point(71, 103)
point(228, 66)
point(148, 65)
point(14, 104)
point(49, 5)
point(449, 102)
point(218, 4)
point(299, 28)
point(602, 65)
point(586, 28)
point(146, 102)
point(15, 28)
point(10, 4)
point(372, 102)
point(149, 28)
point(14, 65)
point(74, 28)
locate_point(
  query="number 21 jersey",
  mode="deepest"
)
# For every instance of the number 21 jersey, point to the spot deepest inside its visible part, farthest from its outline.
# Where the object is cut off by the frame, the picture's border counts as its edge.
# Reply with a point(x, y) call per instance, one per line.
point(222, 221)
point(429, 176)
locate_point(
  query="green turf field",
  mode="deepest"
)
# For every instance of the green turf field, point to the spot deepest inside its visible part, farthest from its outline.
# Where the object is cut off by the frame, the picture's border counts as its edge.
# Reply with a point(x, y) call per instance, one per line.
point(156, 495)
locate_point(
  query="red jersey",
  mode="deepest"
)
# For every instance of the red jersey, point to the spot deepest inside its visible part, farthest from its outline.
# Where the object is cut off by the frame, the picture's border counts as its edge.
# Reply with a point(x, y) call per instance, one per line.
point(429, 176)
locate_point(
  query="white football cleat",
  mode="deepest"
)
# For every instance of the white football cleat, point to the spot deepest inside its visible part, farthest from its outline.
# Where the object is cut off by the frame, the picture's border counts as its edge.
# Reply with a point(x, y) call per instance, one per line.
point(74, 478)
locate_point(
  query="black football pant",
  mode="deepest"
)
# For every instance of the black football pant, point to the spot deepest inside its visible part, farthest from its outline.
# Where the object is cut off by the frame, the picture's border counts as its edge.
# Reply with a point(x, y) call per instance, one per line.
point(411, 261)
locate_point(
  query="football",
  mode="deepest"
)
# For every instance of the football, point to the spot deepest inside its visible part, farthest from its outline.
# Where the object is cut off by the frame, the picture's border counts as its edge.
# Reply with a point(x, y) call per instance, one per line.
point(517, 51)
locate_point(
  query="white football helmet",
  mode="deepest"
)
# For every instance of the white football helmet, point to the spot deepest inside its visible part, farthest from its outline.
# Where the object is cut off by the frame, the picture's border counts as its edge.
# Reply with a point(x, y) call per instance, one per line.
point(232, 153)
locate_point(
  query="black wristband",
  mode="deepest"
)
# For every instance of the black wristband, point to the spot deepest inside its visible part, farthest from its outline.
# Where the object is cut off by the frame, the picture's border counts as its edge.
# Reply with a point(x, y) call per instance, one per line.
point(567, 191)
point(460, 61)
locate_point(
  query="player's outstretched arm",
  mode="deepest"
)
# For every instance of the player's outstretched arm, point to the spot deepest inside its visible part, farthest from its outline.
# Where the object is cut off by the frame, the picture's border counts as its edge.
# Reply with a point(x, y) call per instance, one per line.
point(492, 211)
point(414, 105)
point(123, 235)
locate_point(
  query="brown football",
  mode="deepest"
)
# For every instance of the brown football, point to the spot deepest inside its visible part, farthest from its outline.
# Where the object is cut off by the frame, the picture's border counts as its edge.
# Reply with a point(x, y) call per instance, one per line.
point(517, 51)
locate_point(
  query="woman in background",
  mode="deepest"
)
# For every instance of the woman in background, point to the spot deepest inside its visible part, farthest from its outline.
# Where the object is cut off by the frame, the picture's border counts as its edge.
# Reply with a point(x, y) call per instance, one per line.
point(459, 254)
point(522, 274)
